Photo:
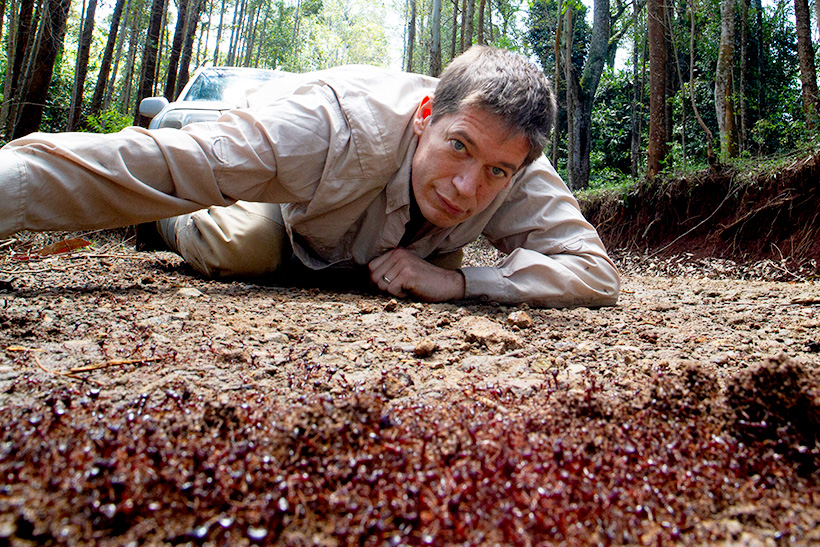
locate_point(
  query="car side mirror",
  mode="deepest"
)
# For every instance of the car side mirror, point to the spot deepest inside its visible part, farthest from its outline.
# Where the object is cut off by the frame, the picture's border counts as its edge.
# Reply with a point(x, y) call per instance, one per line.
point(151, 106)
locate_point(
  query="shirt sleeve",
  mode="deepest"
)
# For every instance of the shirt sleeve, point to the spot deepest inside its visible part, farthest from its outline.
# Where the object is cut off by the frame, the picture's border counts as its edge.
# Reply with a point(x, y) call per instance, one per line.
point(555, 257)
point(74, 181)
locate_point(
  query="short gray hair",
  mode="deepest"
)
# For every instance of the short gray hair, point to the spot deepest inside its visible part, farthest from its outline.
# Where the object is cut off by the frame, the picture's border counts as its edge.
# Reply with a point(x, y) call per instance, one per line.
point(503, 83)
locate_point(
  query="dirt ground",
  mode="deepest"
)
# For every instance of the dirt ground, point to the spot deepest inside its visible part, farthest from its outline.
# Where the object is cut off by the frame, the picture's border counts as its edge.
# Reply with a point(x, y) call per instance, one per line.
point(142, 405)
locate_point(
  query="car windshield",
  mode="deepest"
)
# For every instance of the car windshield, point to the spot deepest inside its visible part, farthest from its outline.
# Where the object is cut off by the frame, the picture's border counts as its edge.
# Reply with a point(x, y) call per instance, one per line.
point(228, 85)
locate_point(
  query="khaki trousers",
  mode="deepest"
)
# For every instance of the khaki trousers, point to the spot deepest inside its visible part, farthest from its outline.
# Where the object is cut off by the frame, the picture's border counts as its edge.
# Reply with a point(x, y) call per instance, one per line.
point(243, 240)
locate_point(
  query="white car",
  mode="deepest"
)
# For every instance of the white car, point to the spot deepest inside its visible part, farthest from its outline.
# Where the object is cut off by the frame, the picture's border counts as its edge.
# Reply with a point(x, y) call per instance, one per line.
point(211, 92)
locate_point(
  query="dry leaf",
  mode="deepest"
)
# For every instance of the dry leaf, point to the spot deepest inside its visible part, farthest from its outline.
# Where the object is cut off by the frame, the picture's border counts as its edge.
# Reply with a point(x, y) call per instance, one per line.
point(64, 246)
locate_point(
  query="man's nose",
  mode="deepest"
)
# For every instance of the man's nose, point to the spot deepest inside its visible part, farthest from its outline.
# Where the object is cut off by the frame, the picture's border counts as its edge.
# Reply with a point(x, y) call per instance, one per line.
point(467, 181)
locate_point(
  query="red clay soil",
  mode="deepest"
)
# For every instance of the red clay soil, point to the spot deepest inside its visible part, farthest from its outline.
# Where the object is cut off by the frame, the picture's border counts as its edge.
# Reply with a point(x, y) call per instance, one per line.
point(774, 217)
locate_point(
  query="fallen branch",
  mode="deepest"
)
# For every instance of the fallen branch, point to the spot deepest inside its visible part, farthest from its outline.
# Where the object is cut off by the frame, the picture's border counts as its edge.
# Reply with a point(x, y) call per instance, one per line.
point(85, 368)
point(112, 363)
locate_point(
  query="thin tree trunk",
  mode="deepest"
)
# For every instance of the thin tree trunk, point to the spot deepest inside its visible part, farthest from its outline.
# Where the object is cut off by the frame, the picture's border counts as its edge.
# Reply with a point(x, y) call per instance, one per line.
point(105, 64)
point(83, 52)
point(11, 40)
point(658, 137)
point(710, 139)
point(236, 32)
point(637, 85)
point(204, 34)
point(724, 82)
point(194, 10)
point(743, 75)
point(149, 58)
point(556, 77)
point(250, 35)
point(679, 74)
point(480, 34)
point(31, 111)
point(22, 34)
point(219, 34)
point(163, 40)
point(176, 50)
point(467, 25)
point(109, 88)
point(583, 94)
point(570, 99)
point(454, 33)
point(435, 48)
point(262, 34)
point(131, 60)
point(296, 22)
point(805, 54)
point(411, 37)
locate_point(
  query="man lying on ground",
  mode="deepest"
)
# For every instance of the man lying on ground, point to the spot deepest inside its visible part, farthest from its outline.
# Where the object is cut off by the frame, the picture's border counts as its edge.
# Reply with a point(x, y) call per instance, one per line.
point(353, 167)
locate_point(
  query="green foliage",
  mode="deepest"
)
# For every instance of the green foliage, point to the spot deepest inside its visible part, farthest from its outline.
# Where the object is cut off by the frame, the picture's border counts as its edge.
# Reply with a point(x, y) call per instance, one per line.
point(612, 125)
point(543, 18)
point(109, 121)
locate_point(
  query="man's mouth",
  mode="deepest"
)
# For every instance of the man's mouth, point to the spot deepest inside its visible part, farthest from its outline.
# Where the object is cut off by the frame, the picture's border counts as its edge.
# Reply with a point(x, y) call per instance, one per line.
point(450, 208)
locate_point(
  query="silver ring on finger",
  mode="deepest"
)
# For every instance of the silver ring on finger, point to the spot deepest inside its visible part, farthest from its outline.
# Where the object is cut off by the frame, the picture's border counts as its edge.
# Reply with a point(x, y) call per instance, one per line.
point(387, 279)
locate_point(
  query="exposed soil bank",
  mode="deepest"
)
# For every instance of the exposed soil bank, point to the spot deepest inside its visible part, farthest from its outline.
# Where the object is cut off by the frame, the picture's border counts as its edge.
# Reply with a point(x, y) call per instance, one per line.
point(776, 216)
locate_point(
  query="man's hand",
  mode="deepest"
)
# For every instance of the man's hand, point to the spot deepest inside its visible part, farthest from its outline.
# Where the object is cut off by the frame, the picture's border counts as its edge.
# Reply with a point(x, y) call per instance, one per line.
point(401, 273)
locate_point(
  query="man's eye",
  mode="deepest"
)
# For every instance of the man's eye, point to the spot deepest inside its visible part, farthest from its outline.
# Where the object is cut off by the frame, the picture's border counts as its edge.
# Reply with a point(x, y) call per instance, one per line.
point(458, 145)
point(498, 172)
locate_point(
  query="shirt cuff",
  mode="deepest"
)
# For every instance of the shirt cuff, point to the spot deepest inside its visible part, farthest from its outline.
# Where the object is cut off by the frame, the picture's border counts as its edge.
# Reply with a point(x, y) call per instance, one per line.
point(482, 281)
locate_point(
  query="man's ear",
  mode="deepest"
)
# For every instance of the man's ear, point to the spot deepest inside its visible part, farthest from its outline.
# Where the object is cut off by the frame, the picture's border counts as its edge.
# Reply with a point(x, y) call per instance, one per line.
point(423, 113)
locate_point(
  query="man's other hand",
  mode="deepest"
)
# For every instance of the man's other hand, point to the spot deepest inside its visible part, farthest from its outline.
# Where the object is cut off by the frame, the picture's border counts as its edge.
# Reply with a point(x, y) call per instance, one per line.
point(401, 273)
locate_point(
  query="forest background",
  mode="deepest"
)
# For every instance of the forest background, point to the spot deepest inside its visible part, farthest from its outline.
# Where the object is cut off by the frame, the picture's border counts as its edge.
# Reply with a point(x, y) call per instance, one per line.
point(643, 88)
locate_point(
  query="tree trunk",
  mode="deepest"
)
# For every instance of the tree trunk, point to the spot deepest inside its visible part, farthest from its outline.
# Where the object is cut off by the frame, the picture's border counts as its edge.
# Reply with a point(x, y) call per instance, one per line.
point(112, 79)
point(435, 47)
point(18, 47)
point(583, 95)
point(262, 34)
point(805, 54)
point(556, 78)
point(569, 76)
point(130, 62)
point(411, 37)
point(31, 110)
point(149, 58)
point(658, 138)
point(83, 52)
point(250, 35)
point(219, 34)
point(236, 31)
point(163, 40)
point(743, 74)
point(724, 82)
point(194, 11)
point(11, 39)
point(176, 50)
point(637, 86)
point(482, 4)
point(467, 25)
point(710, 153)
point(105, 64)
point(454, 33)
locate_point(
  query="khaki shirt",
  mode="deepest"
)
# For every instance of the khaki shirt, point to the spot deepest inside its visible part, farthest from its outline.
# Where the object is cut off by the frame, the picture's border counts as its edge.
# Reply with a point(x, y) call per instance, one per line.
point(335, 148)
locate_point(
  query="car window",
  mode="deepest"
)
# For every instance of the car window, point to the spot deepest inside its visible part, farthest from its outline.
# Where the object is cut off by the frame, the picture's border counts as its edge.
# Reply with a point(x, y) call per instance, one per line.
point(224, 85)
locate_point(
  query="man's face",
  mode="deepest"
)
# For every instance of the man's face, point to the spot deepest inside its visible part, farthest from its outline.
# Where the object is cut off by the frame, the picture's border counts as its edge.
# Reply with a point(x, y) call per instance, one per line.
point(462, 162)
